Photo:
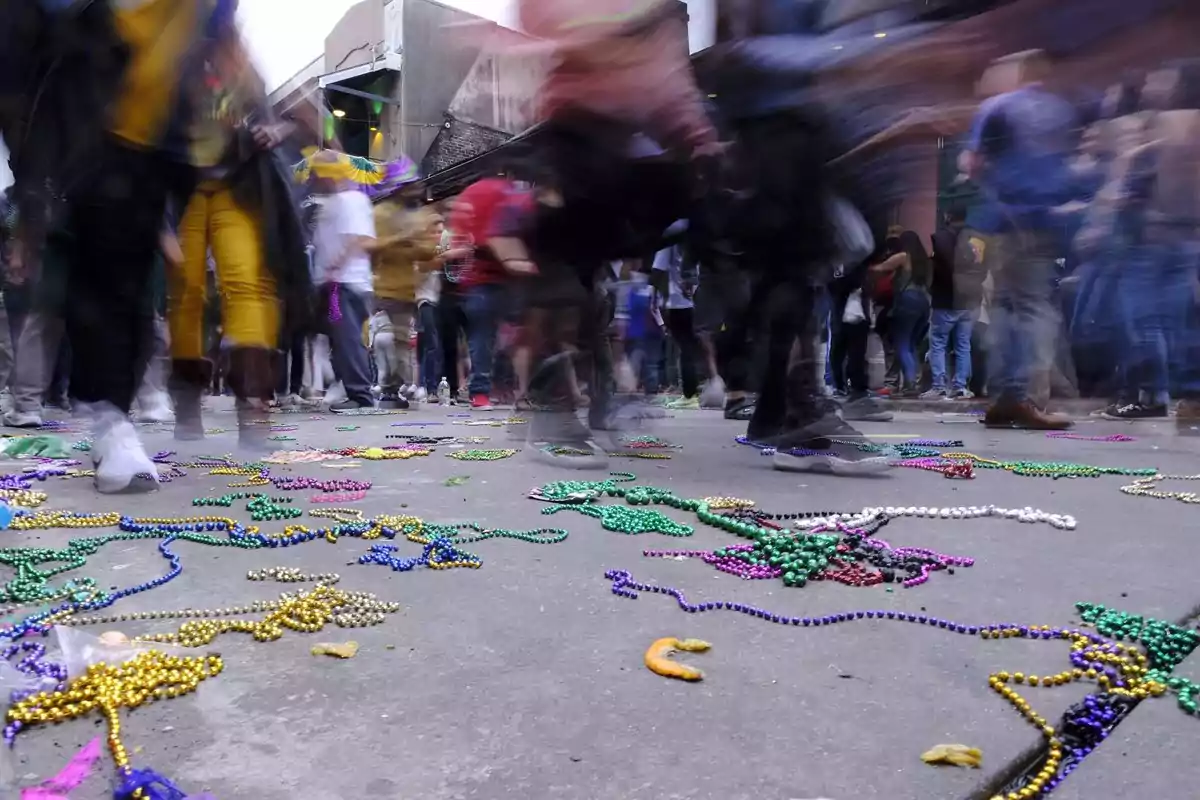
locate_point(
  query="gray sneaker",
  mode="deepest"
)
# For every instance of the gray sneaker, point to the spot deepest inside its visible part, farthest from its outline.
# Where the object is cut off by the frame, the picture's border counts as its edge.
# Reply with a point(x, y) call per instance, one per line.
point(23, 419)
point(866, 409)
point(936, 393)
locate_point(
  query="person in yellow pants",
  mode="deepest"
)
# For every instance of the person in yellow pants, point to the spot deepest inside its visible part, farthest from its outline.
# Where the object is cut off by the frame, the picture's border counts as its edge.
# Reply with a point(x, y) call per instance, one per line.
point(218, 219)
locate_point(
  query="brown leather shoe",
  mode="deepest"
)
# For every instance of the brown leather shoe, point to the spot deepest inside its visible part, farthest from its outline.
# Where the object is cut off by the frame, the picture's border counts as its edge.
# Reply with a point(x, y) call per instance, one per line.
point(1023, 415)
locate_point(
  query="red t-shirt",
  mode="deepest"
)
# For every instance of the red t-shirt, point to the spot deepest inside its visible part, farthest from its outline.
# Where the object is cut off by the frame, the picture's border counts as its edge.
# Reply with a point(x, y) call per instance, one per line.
point(482, 199)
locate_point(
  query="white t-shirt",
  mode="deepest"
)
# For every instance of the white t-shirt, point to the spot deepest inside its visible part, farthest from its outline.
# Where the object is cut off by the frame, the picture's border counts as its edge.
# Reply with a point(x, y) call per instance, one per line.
point(343, 215)
point(670, 261)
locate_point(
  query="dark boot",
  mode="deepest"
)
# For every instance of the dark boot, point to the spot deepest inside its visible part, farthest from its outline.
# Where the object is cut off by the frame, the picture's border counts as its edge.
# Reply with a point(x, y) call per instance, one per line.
point(252, 378)
point(190, 379)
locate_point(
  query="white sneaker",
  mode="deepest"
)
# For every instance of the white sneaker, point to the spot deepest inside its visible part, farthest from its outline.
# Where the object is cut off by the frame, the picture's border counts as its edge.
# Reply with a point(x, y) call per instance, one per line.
point(713, 394)
point(154, 407)
point(121, 462)
point(420, 395)
point(335, 394)
point(22, 419)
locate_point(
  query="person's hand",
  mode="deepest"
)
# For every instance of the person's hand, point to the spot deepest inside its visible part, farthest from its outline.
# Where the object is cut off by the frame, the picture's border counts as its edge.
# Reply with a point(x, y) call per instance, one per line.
point(268, 137)
point(172, 252)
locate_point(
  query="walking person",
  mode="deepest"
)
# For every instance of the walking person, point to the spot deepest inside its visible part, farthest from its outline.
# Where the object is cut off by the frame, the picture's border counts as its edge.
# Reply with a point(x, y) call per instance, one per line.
point(955, 295)
point(344, 239)
point(912, 272)
point(1018, 154)
point(406, 246)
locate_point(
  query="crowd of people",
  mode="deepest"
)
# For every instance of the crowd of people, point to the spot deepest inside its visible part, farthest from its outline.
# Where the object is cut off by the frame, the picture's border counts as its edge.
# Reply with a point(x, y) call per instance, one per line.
point(639, 236)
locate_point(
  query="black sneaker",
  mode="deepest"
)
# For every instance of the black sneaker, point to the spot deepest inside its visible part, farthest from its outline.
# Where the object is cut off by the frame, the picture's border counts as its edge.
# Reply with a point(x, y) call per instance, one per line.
point(348, 406)
point(1136, 411)
point(864, 408)
point(813, 449)
point(741, 409)
point(393, 400)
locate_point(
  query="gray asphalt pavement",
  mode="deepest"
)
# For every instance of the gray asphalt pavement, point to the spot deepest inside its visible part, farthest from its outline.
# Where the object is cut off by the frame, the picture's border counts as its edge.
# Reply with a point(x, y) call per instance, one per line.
point(524, 678)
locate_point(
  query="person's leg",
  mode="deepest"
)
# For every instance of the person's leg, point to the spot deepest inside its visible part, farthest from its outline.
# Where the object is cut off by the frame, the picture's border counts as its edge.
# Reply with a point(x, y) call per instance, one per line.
point(36, 350)
point(942, 323)
point(905, 317)
point(383, 355)
point(964, 326)
point(116, 218)
point(250, 309)
point(448, 312)
point(431, 356)
point(857, 336)
point(681, 323)
point(651, 353)
point(481, 309)
point(350, 360)
point(1023, 325)
point(187, 295)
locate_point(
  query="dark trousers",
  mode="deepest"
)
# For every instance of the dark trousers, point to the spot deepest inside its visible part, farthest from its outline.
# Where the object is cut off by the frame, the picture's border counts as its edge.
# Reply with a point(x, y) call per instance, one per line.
point(848, 354)
point(348, 353)
point(788, 398)
point(429, 350)
point(291, 372)
point(682, 325)
point(116, 216)
point(451, 320)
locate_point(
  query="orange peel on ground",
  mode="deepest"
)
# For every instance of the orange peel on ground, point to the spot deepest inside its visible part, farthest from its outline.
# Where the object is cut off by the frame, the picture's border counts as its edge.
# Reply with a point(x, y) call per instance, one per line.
point(658, 658)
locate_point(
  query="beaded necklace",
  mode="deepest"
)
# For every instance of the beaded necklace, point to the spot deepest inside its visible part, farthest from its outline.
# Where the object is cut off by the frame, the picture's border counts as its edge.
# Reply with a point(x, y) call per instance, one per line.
point(482, 455)
point(1050, 469)
point(149, 676)
point(1119, 669)
point(1145, 487)
point(1115, 437)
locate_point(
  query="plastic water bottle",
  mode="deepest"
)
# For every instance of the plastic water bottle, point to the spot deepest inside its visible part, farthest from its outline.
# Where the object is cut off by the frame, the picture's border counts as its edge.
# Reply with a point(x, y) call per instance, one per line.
point(444, 392)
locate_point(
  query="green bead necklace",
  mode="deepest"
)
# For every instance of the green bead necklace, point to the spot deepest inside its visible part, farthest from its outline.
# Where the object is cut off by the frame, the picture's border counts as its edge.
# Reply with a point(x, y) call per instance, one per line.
point(482, 455)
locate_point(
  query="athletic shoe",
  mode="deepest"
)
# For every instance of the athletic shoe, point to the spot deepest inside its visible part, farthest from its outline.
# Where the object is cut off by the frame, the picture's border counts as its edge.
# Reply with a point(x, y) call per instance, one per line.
point(480, 402)
point(393, 401)
point(23, 419)
point(961, 394)
point(420, 395)
point(936, 393)
point(121, 462)
point(684, 404)
point(866, 409)
point(813, 449)
point(154, 407)
point(348, 406)
point(1136, 411)
point(741, 409)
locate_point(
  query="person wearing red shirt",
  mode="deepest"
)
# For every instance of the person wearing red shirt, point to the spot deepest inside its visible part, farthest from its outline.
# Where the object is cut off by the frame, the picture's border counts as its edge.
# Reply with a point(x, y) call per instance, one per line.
point(475, 217)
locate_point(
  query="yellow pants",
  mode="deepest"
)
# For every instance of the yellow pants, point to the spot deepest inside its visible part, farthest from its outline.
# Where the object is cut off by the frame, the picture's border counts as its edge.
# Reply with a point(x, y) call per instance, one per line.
point(249, 306)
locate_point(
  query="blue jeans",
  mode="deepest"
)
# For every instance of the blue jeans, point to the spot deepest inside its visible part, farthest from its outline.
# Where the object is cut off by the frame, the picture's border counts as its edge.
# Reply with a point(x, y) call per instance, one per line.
point(1024, 321)
point(429, 347)
point(482, 307)
point(946, 324)
point(351, 363)
point(646, 353)
point(910, 315)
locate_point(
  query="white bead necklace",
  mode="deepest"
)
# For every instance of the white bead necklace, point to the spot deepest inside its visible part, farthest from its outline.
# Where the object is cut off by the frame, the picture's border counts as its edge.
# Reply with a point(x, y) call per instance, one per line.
point(868, 515)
